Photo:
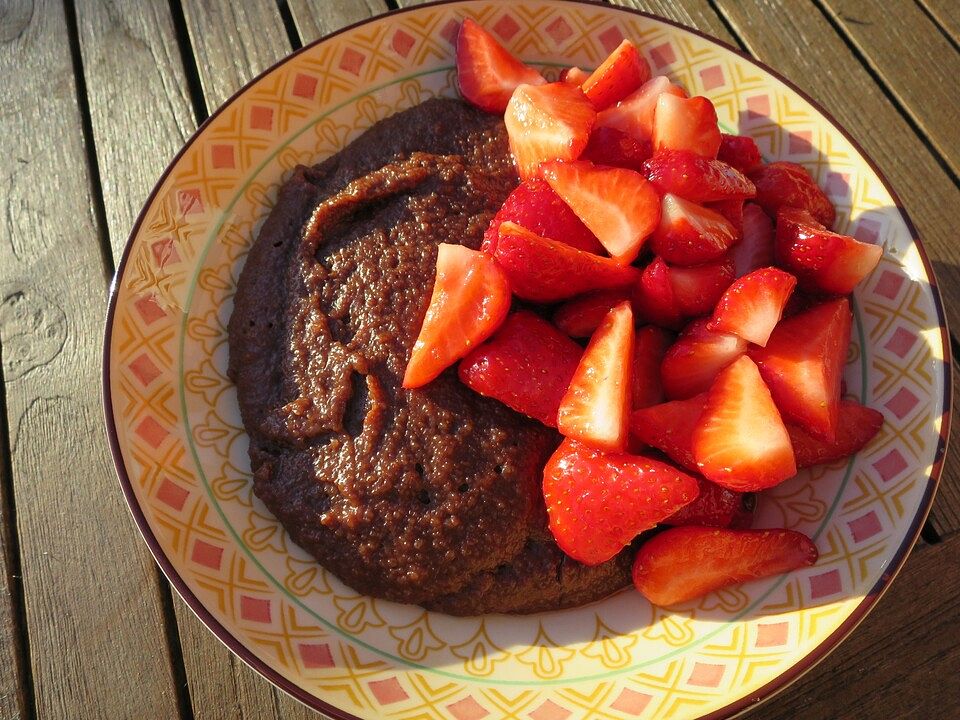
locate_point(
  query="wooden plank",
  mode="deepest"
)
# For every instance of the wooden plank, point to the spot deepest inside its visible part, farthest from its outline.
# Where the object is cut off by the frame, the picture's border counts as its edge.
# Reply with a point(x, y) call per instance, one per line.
point(13, 653)
point(947, 14)
point(92, 601)
point(316, 18)
point(925, 80)
point(693, 13)
point(900, 663)
point(233, 42)
point(945, 516)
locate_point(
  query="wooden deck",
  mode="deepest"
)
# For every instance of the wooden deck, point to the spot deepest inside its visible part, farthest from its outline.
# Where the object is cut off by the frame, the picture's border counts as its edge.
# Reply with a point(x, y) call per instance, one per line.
point(97, 98)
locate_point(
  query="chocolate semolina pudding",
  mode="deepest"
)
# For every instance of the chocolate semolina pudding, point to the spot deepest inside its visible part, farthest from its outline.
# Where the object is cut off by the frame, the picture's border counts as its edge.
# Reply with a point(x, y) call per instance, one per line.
point(429, 496)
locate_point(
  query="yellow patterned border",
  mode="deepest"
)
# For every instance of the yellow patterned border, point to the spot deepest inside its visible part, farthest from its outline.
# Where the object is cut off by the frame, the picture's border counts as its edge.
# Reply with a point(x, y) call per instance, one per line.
point(184, 451)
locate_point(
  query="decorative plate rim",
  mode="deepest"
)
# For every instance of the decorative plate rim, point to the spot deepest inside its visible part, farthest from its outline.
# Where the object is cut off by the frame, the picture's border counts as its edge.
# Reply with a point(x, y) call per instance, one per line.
point(765, 692)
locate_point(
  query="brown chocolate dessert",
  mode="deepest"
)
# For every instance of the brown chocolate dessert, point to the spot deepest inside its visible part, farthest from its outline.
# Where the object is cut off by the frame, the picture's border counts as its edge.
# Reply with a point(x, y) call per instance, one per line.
point(429, 496)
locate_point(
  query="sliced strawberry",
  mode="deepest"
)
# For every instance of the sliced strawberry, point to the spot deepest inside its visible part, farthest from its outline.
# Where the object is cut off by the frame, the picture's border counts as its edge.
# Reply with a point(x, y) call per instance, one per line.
point(740, 441)
point(599, 502)
point(856, 426)
point(547, 122)
point(669, 427)
point(612, 147)
point(619, 206)
point(786, 184)
point(697, 289)
point(732, 210)
point(535, 206)
point(693, 362)
point(545, 271)
point(574, 75)
point(595, 408)
point(696, 178)
point(623, 72)
point(650, 343)
point(684, 563)
point(582, 315)
point(527, 365)
point(740, 152)
point(689, 234)
point(802, 365)
point(486, 71)
point(471, 297)
point(823, 261)
point(755, 249)
point(715, 506)
point(634, 114)
point(686, 124)
point(751, 307)
point(653, 297)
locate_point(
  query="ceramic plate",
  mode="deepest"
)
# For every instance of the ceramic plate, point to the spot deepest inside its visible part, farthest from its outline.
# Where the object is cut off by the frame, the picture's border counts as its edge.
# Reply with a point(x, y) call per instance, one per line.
point(181, 453)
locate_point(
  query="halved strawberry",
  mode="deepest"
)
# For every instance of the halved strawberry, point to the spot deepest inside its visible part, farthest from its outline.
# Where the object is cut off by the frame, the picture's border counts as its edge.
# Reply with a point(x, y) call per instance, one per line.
point(653, 297)
point(697, 289)
point(669, 428)
point(755, 249)
point(686, 124)
point(739, 151)
point(582, 315)
point(751, 307)
point(545, 271)
point(740, 441)
point(786, 184)
point(547, 122)
point(650, 343)
point(619, 206)
point(684, 563)
point(634, 114)
point(699, 179)
point(486, 71)
point(856, 426)
point(612, 147)
point(471, 297)
point(574, 75)
point(732, 210)
point(527, 365)
point(595, 408)
point(599, 502)
point(823, 261)
point(715, 506)
point(802, 365)
point(693, 362)
point(535, 206)
point(689, 234)
point(623, 72)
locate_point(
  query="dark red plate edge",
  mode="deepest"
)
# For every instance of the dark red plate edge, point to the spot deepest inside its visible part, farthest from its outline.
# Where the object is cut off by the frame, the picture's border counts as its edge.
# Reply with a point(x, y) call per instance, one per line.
point(763, 693)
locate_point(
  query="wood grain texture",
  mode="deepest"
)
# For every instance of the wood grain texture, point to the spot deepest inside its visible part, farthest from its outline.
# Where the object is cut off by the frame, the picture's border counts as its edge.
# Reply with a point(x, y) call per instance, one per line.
point(233, 42)
point(913, 59)
point(900, 663)
point(89, 620)
point(13, 657)
point(130, 50)
point(693, 13)
point(316, 18)
point(947, 15)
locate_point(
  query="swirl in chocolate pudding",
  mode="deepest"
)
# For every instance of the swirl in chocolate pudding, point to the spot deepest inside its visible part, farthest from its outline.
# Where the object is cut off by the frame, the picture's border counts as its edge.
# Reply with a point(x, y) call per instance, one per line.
point(429, 496)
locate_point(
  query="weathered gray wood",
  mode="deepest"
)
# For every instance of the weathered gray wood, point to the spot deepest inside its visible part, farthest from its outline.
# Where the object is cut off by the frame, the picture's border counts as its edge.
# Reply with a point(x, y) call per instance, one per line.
point(410, 3)
point(693, 13)
point(233, 42)
point(900, 663)
point(801, 44)
point(947, 14)
point(130, 51)
point(13, 660)
point(316, 18)
point(92, 600)
point(913, 59)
